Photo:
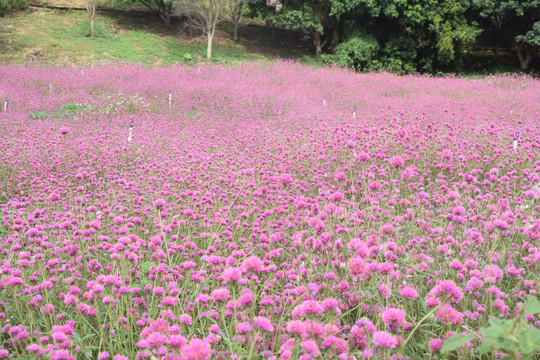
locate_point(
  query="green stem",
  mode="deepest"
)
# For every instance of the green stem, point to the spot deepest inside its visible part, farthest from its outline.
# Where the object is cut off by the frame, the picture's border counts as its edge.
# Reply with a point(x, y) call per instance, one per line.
point(419, 323)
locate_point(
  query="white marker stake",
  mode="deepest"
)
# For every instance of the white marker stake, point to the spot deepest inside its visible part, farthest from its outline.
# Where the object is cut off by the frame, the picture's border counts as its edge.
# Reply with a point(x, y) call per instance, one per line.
point(198, 72)
point(324, 101)
point(130, 132)
point(515, 145)
point(5, 105)
point(516, 141)
point(170, 99)
point(50, 87)
point(354, 113)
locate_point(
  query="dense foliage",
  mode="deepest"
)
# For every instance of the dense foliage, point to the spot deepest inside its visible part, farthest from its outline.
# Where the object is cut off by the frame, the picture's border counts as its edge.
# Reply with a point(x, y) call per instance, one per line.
point(408, 35)
point(254, 215)
point(9, 5)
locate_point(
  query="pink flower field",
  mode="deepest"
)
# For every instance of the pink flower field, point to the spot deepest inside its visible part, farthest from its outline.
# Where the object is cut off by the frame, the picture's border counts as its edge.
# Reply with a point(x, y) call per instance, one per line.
point(258, 216)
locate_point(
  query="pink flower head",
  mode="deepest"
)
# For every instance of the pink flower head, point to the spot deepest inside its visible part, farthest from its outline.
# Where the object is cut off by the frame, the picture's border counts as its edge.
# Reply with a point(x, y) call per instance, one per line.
point(385, 340)
point(409, 292)
point(169, 301)
point(492, 274)
point(387, 229)
point(196, 350)
point(64, 130)
point(263, 323)
point(448, 315)
point(185, 319)
point(177, 341)
point(310, 347)
point(397, 161)
point(159, 203)
point(448, 290)
point(359, 268)
point(435, 345)
point(252, 264)
point(231, 275)
point(221, 294)
point(311, 308)
point(243, 327)
point(394, 319)
point(501, 224)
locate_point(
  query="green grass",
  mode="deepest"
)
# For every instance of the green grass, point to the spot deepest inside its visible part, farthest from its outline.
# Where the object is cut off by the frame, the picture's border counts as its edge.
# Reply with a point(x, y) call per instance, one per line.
point(56, 37)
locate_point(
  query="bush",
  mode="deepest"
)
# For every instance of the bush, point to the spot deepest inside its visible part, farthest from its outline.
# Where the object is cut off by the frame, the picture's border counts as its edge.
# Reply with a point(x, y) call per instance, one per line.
point(399, 54)
point(358, 51)
point(7, 6)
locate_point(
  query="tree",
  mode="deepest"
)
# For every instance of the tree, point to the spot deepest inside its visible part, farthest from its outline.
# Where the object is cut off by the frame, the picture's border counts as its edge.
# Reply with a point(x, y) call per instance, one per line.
point(235, 11)
point(91, 10)
point(441, 30)
point(496, 12)
point(527, 45)
point(525, 29)
point(521, 20)
point(308, 17)
point(161, 8)
point(203, 15)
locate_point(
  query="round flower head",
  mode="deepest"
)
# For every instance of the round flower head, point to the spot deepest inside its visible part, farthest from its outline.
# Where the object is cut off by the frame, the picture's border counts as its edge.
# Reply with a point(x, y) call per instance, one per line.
point(435, 345)
point(385, 340)
point(447, 290)
point(196, 350)
point(263, 323)
point(492, 274)
point(394, 319)
point(252, 264)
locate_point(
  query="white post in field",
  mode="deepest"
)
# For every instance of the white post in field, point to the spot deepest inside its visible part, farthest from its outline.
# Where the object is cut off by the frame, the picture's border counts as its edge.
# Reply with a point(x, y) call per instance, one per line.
point(130, 131)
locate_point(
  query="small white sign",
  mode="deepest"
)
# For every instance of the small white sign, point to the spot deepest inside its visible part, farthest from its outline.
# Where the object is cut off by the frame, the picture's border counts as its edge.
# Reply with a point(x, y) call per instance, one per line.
point(5, 105)
point(170, 98)
point(130, 132)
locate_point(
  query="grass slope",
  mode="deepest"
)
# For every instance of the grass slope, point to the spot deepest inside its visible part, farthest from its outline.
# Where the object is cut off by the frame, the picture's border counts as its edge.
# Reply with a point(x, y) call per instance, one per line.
point(62, 36)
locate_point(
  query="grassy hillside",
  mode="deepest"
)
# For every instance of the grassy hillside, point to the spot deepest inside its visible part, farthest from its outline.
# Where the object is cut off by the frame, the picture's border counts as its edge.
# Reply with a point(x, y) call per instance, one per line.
point(62, 36)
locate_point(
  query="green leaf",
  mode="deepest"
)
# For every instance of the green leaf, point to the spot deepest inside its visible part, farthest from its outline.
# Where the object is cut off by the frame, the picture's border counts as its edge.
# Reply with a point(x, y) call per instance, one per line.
point(88, 353)
point(529, 340)
point(485, 347)
point(456, 341)
point(500, 324)
point(145, 266)
point(532, 305)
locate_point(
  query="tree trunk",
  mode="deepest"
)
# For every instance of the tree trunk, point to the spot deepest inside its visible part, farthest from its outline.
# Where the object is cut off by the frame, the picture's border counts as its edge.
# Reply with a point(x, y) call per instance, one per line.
point(525, 55)
point(317, 42)
point(166, 19)
point(209, 45)
point(235, 33)
point(497, 45)
point(92, 17)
